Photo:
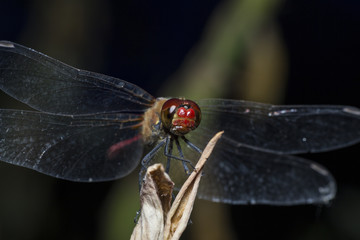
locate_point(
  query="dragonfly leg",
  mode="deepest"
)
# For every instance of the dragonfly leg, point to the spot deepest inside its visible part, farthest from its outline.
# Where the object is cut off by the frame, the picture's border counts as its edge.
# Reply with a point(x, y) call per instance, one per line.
point(178, 158)
point(136, 218)
point(187, 171)
point(191, 145)
point(168, 151)
point(145, 161)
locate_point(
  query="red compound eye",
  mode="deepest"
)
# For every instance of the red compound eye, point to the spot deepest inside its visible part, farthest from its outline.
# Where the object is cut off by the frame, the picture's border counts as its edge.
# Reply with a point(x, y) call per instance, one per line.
point(186, 113)
point(182, 112)
point(190, 113)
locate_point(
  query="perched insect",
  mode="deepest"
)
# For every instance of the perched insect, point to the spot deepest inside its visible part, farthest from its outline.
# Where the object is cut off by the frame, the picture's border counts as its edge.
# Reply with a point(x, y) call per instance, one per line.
point(90, 127)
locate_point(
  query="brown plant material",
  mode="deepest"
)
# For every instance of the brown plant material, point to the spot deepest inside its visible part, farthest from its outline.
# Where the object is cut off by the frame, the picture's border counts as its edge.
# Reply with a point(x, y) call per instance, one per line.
point(157, 219)
point(155, 198)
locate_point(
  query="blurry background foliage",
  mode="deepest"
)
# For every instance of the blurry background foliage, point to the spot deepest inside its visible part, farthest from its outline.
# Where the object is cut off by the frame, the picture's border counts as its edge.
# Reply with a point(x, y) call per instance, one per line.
point(290, 51)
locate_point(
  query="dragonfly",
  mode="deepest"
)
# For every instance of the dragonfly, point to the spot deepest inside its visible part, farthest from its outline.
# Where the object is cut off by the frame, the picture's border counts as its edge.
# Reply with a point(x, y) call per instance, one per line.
point(89, 127)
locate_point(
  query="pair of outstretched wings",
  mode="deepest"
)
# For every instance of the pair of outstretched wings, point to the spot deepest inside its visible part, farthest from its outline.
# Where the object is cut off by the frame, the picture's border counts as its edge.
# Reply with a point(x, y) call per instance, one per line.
point(87, 127)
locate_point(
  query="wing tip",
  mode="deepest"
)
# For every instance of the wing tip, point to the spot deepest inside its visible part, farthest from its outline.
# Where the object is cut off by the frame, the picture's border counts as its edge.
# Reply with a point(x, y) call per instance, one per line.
point(7, 44)
point(352, 110)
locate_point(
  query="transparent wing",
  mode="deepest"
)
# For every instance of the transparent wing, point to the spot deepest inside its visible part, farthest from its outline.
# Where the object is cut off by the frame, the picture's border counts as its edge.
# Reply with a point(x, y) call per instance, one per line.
point(249, 163)
point(281, 129)
point(49, 85)
point(94, 147)
point(240, 175)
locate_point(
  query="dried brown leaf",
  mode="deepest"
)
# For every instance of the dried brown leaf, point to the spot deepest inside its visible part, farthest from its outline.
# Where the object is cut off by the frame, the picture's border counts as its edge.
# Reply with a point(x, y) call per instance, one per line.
point(155, 198)
point(156, 220)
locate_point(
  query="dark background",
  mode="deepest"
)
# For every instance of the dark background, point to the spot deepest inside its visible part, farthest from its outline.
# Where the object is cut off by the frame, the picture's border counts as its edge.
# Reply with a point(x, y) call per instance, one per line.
point(149, 43)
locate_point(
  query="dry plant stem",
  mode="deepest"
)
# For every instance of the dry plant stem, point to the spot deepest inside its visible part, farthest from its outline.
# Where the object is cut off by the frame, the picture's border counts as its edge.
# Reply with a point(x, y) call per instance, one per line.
point(156, 220)
point(179, 214)
point(155, 198)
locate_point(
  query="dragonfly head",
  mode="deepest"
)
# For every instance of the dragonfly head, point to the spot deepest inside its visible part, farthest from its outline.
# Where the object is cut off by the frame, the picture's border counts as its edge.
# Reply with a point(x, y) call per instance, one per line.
point(180, 116)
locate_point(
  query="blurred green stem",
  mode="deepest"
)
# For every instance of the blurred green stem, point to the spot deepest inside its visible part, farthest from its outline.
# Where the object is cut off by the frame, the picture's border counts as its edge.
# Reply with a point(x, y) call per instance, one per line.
point(208, 68)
